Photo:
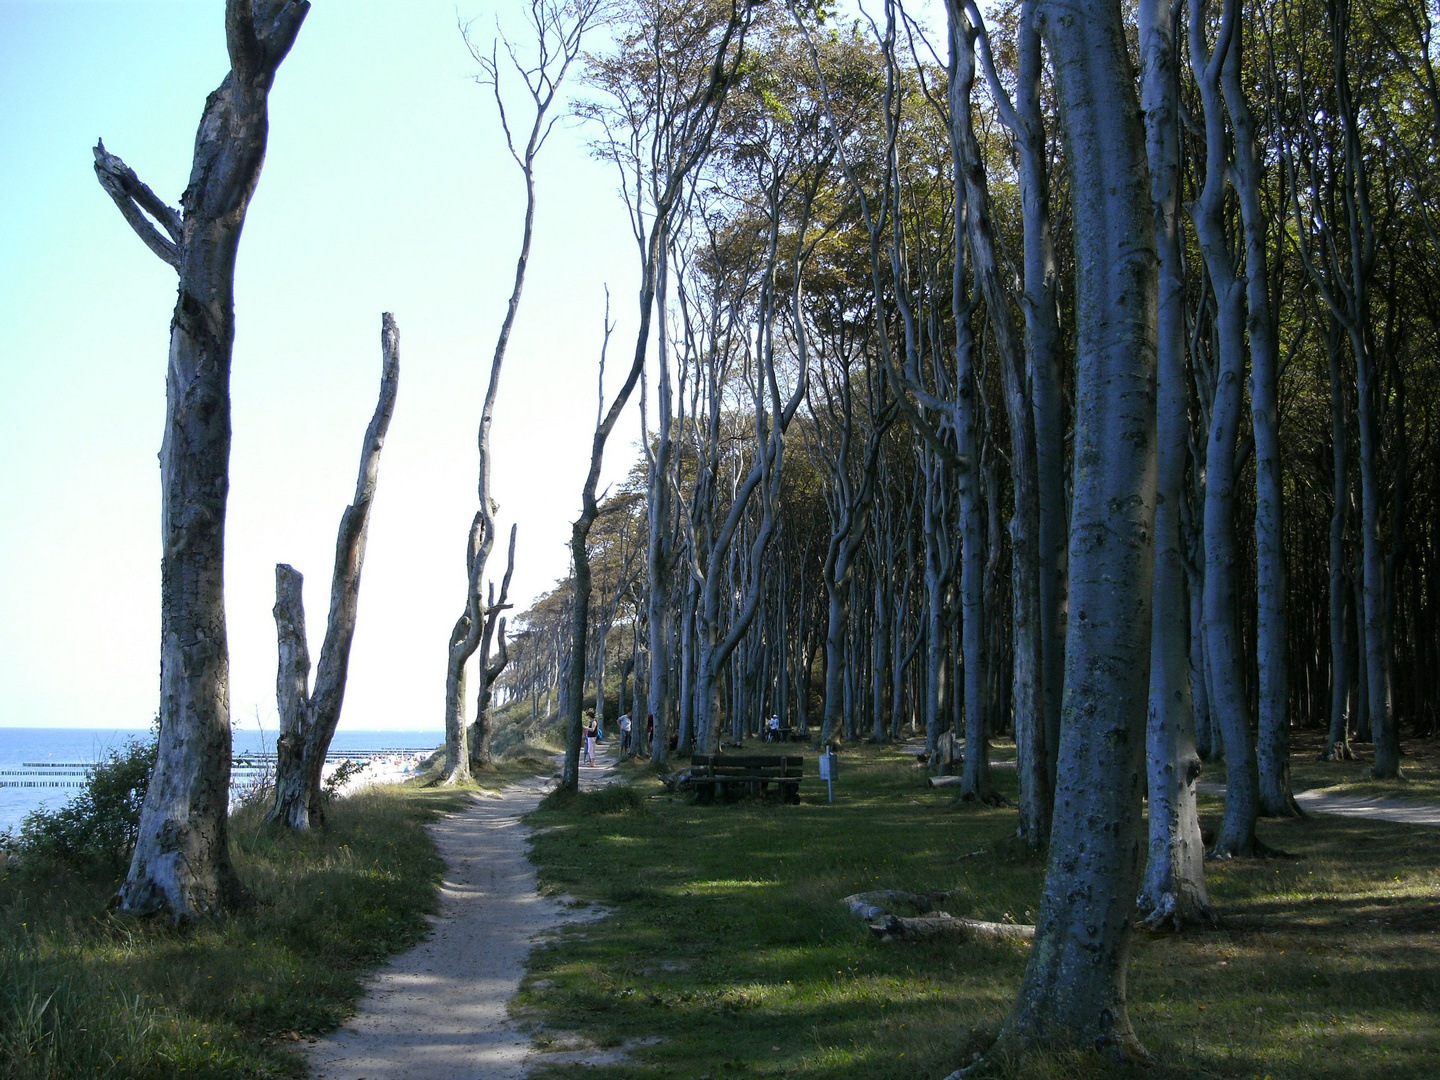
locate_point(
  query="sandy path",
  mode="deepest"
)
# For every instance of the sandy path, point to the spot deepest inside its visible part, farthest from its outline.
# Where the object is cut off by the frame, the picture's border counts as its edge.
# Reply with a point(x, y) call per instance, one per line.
point(1376, 808)
point(438, 1011)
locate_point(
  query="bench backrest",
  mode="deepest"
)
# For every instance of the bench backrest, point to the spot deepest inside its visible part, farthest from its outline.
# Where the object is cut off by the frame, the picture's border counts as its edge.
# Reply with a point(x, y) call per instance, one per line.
point(720, 764)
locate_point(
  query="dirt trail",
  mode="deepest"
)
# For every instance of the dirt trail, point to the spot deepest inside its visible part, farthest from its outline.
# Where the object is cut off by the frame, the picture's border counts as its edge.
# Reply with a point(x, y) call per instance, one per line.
point(438, 1011)
point(1376, 808)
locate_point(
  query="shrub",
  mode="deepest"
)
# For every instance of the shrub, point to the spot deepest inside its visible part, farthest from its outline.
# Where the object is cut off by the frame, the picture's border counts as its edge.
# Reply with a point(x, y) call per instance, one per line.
point(98, 827)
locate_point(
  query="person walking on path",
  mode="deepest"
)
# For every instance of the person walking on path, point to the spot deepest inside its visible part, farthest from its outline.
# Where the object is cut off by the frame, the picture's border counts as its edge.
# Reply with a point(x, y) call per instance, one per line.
point(592, 731)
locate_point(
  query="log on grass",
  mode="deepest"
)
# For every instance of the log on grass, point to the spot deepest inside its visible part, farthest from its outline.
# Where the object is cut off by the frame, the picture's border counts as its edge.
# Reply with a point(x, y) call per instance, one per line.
point(881, 902)
point(942, 924)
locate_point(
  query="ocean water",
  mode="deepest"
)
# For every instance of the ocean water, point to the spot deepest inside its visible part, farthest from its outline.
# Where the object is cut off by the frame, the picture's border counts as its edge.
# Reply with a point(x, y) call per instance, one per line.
point(46, 766)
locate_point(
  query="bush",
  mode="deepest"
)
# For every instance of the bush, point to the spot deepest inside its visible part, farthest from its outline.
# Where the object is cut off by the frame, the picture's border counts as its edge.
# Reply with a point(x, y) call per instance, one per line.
point(98, 827)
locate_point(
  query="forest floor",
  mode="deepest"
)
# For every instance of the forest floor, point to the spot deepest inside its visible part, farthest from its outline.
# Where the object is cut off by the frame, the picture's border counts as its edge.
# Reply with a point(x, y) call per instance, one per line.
point(1347, 788)
point(725, 952)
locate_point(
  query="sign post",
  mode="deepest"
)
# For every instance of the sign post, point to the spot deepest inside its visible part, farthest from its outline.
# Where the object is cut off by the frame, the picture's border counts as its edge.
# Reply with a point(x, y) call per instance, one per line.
point(827, 771)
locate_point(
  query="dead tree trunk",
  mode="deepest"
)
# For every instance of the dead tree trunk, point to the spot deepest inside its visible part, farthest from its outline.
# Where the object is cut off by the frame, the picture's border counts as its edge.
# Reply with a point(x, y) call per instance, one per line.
point(559, 31)
point(482, 730)
point(308, 721)
point(181, 863)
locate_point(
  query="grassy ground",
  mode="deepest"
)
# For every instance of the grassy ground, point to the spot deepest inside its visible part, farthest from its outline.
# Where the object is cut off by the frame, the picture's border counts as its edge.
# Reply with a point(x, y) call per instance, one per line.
point(1419, 769)
point(87, 993)
point(727, 954)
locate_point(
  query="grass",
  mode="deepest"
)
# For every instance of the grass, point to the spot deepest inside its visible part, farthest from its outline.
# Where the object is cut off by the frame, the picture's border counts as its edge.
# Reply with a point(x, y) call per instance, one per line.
point(87, 993)
point(1419, 770)
point(725, 952)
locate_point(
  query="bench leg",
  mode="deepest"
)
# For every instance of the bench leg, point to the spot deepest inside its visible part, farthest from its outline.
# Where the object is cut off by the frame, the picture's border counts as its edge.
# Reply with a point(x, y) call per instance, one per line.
point(704, 794)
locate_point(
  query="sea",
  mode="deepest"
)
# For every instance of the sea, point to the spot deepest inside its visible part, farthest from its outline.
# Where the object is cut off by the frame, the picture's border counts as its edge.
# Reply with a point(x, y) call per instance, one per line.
point(45, 767)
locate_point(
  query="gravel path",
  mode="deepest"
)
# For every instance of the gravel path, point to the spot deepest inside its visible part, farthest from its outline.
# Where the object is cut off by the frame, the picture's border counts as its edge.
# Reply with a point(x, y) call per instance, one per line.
point(438, 1011)
point(1361, 806)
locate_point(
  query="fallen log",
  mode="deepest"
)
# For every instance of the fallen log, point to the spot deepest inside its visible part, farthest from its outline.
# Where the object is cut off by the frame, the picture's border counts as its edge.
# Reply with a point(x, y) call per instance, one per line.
point(877, 908)
point(944, 781)
point(942, 924)
point(881, 902)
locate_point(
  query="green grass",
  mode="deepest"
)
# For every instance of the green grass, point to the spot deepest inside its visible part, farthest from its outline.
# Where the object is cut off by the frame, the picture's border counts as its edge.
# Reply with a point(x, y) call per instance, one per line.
point(87, 993)
point(727, 954)
point(1419, 770)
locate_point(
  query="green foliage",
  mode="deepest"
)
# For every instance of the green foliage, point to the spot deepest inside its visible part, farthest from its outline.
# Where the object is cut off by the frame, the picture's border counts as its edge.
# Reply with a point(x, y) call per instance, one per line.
point(346, 771)
point(97, 828)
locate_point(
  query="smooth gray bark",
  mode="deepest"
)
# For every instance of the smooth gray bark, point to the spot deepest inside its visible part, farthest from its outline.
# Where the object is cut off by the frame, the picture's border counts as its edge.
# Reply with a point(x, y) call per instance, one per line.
point(181, 863)
point(1074, 990)
point(965, 419)
point(1032, 753)
point(308, 720)
point(1024, 117)
point(1224, 654)
point(1174, 890)
point(1272, 659)
point(483, 729)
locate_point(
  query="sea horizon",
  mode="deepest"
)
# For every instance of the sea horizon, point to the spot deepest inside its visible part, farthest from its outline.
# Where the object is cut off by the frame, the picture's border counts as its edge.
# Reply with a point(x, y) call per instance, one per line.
point(48, 750)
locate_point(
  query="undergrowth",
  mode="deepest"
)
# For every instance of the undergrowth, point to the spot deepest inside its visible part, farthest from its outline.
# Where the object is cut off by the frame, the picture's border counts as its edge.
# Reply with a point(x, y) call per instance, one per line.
point(86, 992)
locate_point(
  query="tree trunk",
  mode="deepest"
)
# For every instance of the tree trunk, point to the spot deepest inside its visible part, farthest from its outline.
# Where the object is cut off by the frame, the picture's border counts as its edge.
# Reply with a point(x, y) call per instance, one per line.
point(1028, 666)
point(1074, 990)
point(1174, 888)
point(181, 863)
point(1337, 747)
point(559, 33)
point(1273, 744)
point(483, 730)
point(1224, 651)
point(308, 721)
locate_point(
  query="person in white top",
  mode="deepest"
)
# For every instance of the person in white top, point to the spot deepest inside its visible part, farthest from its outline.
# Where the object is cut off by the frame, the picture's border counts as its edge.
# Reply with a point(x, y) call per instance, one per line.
point(625, 734)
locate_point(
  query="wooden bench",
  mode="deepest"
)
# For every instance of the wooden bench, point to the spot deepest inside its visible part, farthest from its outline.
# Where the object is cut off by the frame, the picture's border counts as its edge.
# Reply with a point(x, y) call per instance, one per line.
point(734, 773)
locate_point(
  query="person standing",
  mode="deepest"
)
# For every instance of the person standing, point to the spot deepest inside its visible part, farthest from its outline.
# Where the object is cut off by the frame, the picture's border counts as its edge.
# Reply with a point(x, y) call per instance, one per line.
point(625, 735)
point(592, 731)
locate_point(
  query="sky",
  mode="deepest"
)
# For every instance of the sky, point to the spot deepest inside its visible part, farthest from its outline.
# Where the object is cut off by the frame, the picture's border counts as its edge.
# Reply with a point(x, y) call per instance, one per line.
point(386, 187)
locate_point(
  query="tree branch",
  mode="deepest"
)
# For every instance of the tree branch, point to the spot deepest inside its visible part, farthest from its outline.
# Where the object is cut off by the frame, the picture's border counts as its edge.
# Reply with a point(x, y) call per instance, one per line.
point(136, 201)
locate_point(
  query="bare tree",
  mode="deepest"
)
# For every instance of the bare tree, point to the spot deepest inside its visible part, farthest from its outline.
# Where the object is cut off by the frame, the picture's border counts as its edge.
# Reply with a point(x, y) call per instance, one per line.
point(181, 863)
point(308, 720)
point(559, 27)
point(490, 670)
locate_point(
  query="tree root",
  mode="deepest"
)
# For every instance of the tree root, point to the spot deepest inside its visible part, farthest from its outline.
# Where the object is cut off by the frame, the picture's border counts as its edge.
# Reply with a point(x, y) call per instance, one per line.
point(1169, 913)
point(1254, 849)
point(989, 798)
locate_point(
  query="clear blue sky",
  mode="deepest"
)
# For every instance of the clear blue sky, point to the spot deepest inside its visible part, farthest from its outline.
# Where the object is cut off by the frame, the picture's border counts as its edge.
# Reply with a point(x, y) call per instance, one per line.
point(385, 188)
